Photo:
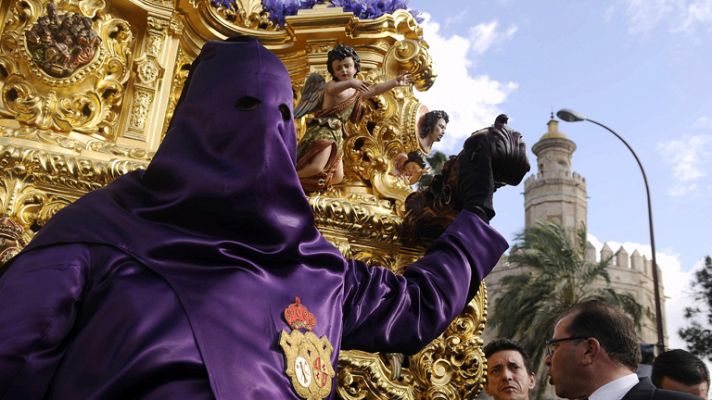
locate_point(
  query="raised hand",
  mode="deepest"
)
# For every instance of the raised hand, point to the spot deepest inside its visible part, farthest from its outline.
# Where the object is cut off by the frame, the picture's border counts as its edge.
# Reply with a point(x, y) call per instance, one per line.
point(403, 79)
point(359, 85)
point(475, 180)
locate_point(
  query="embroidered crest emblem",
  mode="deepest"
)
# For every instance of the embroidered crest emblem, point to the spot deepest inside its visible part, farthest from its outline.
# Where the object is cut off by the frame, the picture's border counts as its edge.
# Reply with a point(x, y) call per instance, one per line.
point(307, 357)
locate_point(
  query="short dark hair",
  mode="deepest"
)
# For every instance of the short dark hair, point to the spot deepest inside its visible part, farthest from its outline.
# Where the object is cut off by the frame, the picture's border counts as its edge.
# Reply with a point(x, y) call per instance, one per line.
point(681, 366)
point(498, 345)
point(613, 329)
point(414, 156)
point(340, 52)
point(430, 119)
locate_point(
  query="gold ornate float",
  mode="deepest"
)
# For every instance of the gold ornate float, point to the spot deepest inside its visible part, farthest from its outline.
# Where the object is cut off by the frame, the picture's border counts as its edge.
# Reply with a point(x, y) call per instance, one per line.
point(88, 88)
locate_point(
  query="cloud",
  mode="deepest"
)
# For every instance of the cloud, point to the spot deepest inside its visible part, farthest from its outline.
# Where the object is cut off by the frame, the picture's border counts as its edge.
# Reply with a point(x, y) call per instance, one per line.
point(703, 123)
point(676, 285)
point(685, 16)
point(690, 159)
point(698, 13)
point(471, 101)
point(484, 36)
point(644, 15)
point(457, 18)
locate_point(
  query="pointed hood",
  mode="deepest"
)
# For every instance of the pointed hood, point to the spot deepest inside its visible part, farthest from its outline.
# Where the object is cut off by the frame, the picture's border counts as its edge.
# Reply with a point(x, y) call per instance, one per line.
point(224, 178)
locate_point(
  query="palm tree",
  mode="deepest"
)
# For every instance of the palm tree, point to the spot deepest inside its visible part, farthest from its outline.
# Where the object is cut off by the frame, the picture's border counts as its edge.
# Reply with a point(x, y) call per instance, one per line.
point(558, 276)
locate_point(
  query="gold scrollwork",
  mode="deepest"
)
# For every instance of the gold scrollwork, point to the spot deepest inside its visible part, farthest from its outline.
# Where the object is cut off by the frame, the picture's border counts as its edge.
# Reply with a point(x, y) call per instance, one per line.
point(411, 56)
point(88, 99)
point(452, 366)
point(364, 376)
point(366, 220)
point(244, 13)
point(180, 74)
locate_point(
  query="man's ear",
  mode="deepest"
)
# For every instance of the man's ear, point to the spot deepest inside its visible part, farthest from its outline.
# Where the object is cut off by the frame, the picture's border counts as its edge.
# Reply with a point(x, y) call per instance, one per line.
point(590, 350)
point(532, 381)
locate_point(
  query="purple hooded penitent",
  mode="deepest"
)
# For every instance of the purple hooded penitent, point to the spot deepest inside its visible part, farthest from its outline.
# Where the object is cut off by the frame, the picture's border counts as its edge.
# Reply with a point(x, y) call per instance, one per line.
point(172, 282)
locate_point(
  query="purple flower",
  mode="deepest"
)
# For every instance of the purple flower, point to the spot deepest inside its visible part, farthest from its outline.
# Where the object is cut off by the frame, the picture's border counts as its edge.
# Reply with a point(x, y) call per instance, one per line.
point(223, 3)
point(365, 9)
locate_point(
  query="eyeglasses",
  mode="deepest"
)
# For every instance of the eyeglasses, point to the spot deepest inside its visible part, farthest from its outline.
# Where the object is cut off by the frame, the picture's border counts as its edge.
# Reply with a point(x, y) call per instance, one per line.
point(553, 344)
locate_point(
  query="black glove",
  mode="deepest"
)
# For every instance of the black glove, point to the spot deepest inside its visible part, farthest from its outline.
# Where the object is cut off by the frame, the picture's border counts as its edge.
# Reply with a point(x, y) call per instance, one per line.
point(475, 180)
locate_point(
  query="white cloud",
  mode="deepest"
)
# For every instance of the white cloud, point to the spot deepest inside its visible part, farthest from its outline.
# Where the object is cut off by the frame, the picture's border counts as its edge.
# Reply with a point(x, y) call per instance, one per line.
point(457, 18)
point(644, 15)
point(690, 161)
point(703, 123)
point(686, 16)
point(471, 101)
point(484, 36)
point(698, 13)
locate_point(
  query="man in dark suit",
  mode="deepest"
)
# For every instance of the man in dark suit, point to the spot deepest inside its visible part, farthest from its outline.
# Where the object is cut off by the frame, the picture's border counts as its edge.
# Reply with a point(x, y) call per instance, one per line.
point(593, 354)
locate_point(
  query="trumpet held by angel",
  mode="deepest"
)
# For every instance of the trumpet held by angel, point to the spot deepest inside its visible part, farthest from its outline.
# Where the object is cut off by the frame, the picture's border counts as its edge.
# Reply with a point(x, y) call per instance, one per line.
point(332, 104)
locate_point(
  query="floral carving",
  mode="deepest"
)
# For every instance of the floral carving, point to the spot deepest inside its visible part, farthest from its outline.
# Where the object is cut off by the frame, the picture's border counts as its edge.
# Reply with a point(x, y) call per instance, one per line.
point(139, 111)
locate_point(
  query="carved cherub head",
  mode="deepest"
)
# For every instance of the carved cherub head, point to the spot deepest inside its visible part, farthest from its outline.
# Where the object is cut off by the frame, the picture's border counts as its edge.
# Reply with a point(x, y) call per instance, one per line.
point(342, 54)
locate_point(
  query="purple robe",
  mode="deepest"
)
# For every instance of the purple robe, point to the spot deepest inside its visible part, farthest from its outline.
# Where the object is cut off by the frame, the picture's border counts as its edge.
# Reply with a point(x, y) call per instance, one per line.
point(172, 282)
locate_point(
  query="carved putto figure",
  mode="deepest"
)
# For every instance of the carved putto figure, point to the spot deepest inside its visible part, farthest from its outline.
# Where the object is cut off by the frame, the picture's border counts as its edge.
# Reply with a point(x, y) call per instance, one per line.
point(62, 43)
point(410, 166)
point(320, 151)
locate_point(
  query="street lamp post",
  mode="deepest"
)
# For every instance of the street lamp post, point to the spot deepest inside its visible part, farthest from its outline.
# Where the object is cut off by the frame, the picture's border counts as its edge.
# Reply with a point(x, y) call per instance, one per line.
point(573, 116)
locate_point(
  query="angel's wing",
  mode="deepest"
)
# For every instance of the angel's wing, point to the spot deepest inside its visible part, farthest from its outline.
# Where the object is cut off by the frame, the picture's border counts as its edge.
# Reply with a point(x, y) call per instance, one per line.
point(312, 95)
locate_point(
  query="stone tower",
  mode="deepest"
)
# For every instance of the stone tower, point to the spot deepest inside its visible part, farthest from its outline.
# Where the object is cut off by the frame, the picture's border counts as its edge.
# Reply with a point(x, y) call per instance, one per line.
point(555, 193)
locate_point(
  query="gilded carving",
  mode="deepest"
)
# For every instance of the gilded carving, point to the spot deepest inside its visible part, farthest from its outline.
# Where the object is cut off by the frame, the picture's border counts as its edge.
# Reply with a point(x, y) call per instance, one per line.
point(176, 25)
point(148, 71)
point(140, 108)
point(180, 74)
point(411, 56)
point(155, 43)
point(364, 376)
point(365, 216)
point(452, 366)
point(79, 67)
point(61, 43)
point(157, 24)
point(87, 7)
point(13, 237)
point(244, 13)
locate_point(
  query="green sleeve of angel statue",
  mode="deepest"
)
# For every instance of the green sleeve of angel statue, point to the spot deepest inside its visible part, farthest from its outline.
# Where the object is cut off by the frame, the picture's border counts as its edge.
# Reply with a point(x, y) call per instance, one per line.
point(320, 151)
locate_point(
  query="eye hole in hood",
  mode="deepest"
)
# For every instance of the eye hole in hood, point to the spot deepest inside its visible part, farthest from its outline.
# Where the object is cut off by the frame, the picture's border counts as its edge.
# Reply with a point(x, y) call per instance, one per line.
point(248, 103)
point(286, 114)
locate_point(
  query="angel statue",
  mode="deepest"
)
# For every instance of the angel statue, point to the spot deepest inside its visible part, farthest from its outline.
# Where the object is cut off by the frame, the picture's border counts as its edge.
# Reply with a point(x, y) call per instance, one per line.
point(320, 151)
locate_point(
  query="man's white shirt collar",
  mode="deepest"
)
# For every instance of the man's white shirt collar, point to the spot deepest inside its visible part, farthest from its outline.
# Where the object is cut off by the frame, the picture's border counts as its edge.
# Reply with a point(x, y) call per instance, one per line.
point(615, 389)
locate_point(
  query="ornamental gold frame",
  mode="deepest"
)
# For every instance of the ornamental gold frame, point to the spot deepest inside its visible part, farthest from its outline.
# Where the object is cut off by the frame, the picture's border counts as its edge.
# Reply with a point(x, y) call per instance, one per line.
point(63, 137)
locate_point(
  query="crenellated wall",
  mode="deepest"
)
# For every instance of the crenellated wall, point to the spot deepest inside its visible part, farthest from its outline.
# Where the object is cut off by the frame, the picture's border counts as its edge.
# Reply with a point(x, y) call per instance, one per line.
point(632, 273)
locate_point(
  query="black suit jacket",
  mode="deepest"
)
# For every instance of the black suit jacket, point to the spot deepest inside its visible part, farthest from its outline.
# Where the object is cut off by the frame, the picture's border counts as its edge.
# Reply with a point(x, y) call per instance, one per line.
point(645, 390)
